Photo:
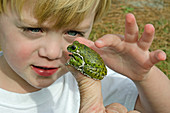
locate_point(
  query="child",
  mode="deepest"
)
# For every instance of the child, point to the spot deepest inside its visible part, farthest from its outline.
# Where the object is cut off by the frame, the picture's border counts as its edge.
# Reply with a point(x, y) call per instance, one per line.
point(34, 35)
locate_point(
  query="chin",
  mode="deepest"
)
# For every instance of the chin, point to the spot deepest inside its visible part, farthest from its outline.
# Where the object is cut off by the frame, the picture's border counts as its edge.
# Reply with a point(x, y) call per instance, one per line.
point(42, 83)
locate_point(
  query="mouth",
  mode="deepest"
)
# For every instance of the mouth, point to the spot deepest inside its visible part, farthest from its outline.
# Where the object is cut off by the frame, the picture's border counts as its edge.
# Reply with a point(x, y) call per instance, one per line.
point(44, 70)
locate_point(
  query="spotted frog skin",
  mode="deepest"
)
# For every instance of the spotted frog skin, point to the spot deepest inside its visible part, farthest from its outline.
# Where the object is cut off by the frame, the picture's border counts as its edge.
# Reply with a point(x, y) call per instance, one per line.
point(86, 60)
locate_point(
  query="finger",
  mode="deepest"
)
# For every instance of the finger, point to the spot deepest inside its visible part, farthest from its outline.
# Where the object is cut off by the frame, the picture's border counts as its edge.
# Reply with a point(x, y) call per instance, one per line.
point(156, 56)
point(110, 40)
point(75, 73)
point(88, 43)
point(85, 41)
point(90, 92)
point(131, 28)
point(147, 37)
point(73, 70)
point(116, 108)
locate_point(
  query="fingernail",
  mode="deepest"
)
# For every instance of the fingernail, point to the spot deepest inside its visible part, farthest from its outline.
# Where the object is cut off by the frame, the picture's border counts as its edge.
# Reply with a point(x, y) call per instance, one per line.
point(99, 41)
point(162, 56)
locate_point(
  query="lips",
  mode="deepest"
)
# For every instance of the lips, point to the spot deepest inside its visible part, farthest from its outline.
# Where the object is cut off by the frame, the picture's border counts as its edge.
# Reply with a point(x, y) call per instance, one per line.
point(44, 71)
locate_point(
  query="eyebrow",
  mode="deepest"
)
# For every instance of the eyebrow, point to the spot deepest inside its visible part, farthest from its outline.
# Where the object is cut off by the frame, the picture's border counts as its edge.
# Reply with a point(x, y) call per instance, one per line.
point(83, 27)
point(26, 22)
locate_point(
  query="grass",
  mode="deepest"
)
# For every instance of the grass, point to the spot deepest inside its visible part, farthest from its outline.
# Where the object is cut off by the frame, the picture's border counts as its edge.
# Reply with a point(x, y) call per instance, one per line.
point(160, 18)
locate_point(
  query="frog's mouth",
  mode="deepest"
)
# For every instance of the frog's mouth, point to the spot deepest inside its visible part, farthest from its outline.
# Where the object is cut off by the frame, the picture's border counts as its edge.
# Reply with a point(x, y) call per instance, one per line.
point(77, 57)
point(72, 56)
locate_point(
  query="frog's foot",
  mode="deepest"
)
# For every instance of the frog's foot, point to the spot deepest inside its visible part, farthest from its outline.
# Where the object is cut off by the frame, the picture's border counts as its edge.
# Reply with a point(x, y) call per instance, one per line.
point(94, 73)
point(93, 77)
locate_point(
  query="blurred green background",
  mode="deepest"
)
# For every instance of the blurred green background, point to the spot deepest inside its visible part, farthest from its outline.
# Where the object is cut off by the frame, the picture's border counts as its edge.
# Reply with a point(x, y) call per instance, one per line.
point(156, 12)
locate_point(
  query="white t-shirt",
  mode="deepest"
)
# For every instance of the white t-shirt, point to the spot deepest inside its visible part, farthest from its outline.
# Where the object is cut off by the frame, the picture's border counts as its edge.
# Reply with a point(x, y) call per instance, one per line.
point(63, 96)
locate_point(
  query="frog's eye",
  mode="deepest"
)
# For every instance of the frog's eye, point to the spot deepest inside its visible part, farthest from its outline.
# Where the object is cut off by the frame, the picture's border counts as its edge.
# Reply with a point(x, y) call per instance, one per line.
point(73, 47)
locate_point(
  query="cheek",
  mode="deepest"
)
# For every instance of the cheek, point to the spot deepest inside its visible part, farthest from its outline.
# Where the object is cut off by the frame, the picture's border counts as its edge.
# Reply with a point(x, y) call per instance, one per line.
point(16, 49)
point(19, 56)
point(66, 55)
point(65, 52)
point(25, 52)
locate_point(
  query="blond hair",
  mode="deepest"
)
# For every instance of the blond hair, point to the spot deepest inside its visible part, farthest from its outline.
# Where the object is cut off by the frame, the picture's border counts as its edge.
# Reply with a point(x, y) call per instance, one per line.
point(62, 12)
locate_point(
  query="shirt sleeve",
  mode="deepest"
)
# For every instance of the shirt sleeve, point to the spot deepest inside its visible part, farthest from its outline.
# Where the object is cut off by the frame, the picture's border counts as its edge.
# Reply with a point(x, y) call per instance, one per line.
point(117, 88)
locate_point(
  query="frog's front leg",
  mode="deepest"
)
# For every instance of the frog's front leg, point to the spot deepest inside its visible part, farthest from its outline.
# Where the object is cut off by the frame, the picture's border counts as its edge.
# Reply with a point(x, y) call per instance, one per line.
point(93, 72)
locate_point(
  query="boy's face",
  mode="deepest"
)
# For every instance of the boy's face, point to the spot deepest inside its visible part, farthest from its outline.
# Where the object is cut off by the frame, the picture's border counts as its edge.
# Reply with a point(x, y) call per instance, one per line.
point(36, 54)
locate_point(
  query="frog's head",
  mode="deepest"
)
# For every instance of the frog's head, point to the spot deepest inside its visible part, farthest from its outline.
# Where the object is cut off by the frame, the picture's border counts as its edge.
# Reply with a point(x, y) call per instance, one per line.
point(76, 59)
point(74, 48)
point(86, 60)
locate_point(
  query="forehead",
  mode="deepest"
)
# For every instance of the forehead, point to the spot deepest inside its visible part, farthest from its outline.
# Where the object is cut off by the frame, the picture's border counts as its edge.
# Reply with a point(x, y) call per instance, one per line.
point(58, 17)
point(29, 19)
point(62, 12)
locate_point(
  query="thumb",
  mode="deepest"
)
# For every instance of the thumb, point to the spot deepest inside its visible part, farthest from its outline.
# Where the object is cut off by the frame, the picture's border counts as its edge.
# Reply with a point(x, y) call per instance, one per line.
point(157, 56)
point(91, 100)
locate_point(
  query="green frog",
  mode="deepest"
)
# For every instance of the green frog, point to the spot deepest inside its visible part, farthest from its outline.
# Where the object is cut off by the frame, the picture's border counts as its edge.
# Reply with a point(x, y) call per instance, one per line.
point(87, 61)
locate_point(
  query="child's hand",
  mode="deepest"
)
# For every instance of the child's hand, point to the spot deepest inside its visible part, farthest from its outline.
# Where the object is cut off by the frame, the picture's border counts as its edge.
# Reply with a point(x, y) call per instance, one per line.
point(129, 55)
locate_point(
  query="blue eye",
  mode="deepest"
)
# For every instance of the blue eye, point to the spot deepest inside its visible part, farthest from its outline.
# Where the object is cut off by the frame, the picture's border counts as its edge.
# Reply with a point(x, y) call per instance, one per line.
point(74, 33)
point(35, 30)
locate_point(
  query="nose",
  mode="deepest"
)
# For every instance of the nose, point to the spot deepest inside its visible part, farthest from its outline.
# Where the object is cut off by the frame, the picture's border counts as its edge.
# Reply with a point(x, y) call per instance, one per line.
point(51, 49)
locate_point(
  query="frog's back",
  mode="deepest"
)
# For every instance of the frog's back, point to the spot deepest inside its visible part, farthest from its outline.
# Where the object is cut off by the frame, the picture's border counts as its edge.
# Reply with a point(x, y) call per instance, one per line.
point(90, 56)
